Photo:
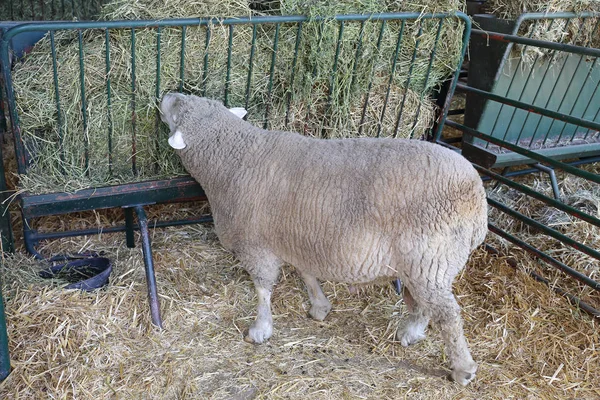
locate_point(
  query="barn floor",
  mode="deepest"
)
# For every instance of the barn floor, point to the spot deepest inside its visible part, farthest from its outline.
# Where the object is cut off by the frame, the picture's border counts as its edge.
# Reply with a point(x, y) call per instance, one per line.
point(530, 343)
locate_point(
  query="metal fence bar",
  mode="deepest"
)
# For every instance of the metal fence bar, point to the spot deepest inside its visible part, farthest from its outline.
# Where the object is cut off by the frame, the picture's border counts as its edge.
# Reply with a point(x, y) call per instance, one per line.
point(391, 78)
point(529, 107)
point(335, 63)
point(4, 354)
point(86, 141)
point(59, 115)
point(548, 231)
point(506, 38)
point(527, 153)
point(359, 44)
point(532, 68)
point(205, 72)
point(408, 79)
point(133, 105)
point(109, 101)
point(548, 200)
point(370, 85)
point(573, 299)
point(427, 74)
point(548, 259)
point(228, 71)
point(182, 59)
point(271, 73)
point(250, 65)
point(292, 73)
point(157, 120)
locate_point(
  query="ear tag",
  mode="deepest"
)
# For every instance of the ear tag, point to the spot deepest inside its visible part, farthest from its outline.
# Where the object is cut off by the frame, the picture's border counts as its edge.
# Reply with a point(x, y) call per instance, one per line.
point(176, 141)
point(239, 111)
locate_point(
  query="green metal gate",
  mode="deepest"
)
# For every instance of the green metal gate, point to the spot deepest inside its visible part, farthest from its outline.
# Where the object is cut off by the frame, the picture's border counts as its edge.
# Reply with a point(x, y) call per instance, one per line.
point(537, 217)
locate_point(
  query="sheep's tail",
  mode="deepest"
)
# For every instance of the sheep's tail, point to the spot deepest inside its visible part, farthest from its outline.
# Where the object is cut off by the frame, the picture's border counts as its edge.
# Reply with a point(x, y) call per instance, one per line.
point(480, 227)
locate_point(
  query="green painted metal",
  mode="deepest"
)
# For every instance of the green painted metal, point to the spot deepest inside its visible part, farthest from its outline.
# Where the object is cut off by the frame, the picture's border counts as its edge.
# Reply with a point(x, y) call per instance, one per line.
point(548, 200)
point(428, 73)
point(133, 113)
point(542, 93)
point(531, 104)
point(391, 79)
point(228, 77)
point(271, 73)
point(359, 44)
point(59, 115)
point(206, 45)
point(250, 65)
point(535, 155)
point(108, 100)
point(4, 352)
point(368, 94)
point(86, 142)
point(182, 59)
point(409, 78)
point(574, 300)
point(292, 73)
point(157, 120)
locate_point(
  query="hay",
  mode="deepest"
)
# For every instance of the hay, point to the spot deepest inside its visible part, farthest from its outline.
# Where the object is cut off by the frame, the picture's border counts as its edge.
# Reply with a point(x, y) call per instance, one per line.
point(576, 31)
point(19, 10)
point(511, 9)
point(576, 192)
point(313, 110)
point(64, 344)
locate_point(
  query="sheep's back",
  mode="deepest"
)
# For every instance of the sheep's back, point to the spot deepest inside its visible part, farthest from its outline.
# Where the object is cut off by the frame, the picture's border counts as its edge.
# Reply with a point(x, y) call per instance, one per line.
point(349, 209)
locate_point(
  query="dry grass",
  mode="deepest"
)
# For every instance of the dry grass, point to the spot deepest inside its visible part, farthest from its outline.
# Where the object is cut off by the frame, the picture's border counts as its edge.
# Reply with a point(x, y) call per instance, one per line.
point(530, 342)
point(576, 192)
point(511, 9)
point(321, 104)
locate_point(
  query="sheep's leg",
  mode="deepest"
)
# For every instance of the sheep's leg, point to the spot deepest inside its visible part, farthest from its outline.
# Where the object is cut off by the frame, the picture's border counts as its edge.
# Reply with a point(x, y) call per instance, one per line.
point(447, 313)
point(320, 305)
point(412, 330)
point(264, 276)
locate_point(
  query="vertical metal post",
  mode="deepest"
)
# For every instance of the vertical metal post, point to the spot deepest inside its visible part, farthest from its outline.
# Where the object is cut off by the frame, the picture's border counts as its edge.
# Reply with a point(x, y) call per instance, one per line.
point(130, 238)
point(4, 354)
point(149, 264)
point(6, 233)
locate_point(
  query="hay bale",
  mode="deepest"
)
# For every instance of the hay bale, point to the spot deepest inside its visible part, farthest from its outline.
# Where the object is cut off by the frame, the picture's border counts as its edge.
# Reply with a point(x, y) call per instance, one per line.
point(310, 99)
point(577, 31)
point(511, 9)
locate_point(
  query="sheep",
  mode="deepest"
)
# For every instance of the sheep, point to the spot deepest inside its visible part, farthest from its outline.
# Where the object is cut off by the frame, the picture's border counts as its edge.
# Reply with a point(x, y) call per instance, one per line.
point(348, 210)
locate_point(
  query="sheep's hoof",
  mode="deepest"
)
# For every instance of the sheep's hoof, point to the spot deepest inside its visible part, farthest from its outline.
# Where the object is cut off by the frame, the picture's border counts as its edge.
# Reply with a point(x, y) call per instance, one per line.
point(464, 376)
point(320, 312)
point(258, 335)
point(409, 335)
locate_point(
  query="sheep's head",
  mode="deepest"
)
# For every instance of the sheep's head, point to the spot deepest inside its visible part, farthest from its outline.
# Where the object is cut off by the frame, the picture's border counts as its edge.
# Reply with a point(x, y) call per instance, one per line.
point(173, 107)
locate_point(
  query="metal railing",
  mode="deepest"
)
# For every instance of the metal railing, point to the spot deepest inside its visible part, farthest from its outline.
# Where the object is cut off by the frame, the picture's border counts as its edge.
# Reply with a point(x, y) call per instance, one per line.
point(557, 248)
point(534, 84)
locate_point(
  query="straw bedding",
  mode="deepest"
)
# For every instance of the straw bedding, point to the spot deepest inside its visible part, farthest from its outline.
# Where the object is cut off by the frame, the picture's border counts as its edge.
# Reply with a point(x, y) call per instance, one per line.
point(576, 192)
point(320, 103)
point(64, 344)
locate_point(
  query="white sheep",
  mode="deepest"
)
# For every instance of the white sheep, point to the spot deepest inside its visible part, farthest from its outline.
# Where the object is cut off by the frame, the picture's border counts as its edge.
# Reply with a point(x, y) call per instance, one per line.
point(345, 210)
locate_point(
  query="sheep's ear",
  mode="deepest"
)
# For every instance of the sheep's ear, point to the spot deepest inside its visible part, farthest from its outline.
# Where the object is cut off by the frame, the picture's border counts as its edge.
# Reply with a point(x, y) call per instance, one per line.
point(176, 141)
point(239, 111)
